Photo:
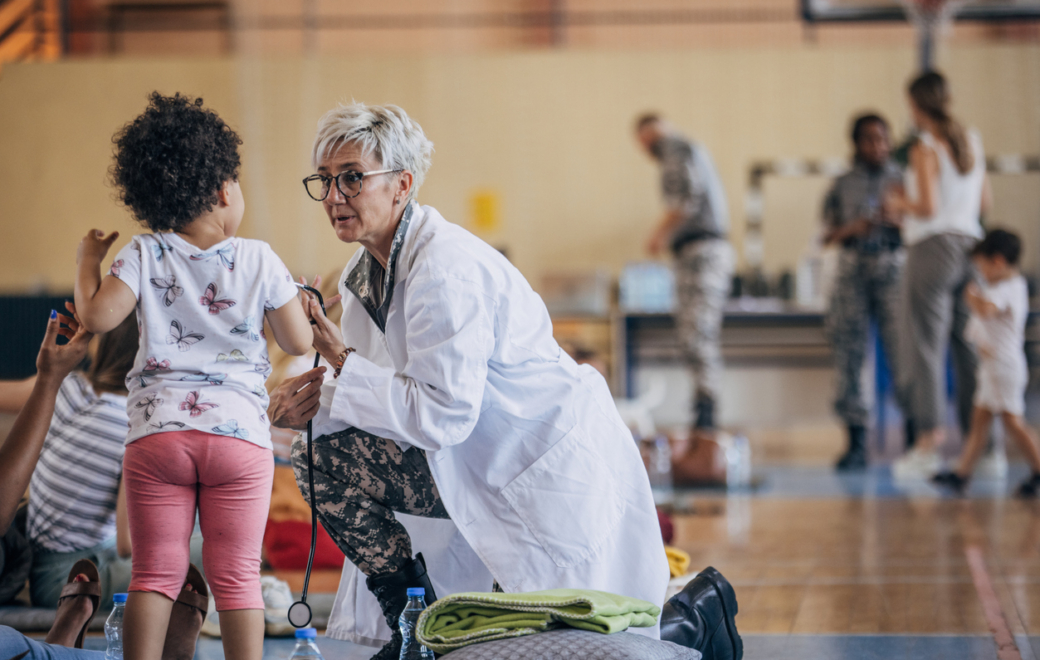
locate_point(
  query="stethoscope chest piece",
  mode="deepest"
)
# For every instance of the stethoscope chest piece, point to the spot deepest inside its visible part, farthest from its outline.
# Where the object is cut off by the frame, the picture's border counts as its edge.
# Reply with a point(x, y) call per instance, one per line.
point(300, 614)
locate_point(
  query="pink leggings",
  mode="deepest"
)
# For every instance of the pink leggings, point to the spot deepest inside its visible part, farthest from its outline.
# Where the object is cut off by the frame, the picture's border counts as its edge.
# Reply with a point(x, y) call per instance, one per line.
point(167, 475)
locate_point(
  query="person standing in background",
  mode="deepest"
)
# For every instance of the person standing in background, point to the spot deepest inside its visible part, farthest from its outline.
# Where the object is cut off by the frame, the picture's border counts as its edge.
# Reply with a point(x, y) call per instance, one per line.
point(945, 194)
point(869, 271)
point(694, 228)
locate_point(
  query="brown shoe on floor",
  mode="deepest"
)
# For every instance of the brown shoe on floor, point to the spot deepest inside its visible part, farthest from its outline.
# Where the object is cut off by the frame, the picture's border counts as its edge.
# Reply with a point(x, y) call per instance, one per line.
point(79, 600)
point(186, 618)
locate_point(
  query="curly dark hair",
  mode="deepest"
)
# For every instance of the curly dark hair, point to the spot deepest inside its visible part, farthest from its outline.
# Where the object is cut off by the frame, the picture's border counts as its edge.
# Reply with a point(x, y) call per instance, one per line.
point(172, 160)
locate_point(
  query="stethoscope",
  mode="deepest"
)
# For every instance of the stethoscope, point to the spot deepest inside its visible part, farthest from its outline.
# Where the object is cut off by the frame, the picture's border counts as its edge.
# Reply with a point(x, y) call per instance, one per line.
point(300, 612)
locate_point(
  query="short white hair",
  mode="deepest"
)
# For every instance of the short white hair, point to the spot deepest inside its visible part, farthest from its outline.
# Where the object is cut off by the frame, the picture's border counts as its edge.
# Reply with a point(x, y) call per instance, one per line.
point(385, 131)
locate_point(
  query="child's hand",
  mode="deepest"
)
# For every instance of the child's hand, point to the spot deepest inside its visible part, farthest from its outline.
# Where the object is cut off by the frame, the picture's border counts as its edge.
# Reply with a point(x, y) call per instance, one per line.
point(95, 245)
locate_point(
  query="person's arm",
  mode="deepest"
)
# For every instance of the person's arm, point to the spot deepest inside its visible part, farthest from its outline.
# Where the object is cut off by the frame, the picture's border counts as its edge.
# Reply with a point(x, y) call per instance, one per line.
point(102, 304)
point(291, 328)
point(14, 394)
point(663, 231)
point(435, 401)
point(123, 545)
point(979, 304)
point(925, 164)
point(21, 450)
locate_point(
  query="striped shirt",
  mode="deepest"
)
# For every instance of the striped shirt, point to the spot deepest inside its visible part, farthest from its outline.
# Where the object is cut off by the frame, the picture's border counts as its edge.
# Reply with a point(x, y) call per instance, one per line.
point(72, 495)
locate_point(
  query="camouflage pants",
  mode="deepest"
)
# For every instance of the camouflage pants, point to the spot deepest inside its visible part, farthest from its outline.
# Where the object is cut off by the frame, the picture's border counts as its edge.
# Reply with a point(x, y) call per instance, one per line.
point(359, 481)
point(867, 285)
point(703, 272)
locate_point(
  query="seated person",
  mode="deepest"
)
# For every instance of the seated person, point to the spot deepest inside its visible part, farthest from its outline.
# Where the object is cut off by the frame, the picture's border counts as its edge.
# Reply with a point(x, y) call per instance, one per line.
point(77, 507)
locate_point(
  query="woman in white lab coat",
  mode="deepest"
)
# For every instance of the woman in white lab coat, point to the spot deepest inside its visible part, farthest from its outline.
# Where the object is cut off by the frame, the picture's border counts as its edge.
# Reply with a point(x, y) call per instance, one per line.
point(452, 401)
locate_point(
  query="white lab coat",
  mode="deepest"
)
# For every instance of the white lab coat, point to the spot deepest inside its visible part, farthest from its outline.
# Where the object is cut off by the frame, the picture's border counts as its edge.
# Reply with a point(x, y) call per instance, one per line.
point(542, 480)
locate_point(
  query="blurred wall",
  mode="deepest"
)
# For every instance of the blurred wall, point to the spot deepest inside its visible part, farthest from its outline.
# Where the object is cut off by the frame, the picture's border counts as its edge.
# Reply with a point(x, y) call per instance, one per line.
point(548, 132)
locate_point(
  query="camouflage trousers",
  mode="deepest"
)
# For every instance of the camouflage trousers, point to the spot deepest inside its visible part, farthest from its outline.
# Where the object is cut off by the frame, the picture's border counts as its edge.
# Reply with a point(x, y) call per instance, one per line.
point(360, 480)
point(867, 285)
point(703, 276)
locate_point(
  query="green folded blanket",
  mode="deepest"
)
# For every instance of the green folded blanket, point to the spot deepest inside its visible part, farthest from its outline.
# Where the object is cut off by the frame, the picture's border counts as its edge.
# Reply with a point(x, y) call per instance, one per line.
point(467, 618)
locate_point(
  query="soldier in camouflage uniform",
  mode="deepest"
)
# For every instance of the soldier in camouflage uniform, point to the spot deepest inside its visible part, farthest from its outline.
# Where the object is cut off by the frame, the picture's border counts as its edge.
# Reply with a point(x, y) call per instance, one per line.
point(869, 272)
point(694, 228)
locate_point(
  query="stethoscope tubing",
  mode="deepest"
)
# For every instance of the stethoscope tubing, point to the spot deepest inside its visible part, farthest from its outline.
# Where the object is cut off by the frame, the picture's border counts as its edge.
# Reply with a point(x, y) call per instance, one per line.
point(310, 483)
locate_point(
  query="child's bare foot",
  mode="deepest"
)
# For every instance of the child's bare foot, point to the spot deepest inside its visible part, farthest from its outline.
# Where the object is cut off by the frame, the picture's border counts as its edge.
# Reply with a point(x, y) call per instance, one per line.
point(73, 613)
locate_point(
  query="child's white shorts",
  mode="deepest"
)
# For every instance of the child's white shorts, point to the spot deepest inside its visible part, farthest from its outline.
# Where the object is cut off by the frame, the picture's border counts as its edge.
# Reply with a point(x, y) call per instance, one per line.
point(1001, 388)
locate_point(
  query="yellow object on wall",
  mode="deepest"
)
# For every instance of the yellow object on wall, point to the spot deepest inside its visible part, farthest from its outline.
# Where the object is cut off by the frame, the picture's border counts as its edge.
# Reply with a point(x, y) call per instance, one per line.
point(484, 212)
point(549, 132)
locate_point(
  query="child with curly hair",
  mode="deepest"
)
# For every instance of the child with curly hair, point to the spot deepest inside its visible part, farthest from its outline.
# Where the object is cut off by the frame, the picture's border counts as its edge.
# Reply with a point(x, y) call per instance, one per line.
point(199, 435)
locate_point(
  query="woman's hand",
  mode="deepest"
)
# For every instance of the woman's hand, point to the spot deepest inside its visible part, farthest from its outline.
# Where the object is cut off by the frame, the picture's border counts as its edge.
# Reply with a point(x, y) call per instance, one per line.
point(327, 338)
point(295, 401)
point(94, 246)
point(54, 362)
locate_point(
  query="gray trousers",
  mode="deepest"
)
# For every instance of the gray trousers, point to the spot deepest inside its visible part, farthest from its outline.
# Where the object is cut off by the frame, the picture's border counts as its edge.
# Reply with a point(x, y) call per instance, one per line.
point(360, 480)
point(867, 287)
point(703, 272)
point(934, 317)
point(50, 571)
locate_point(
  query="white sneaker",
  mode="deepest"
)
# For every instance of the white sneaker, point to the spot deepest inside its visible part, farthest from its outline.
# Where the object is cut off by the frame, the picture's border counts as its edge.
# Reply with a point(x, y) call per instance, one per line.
point(993, 465)
point(917, 464)
point(277, 600)
point(211, 624)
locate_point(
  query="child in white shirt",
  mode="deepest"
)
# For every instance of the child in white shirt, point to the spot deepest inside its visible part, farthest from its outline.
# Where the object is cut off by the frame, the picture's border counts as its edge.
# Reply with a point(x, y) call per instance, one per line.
point(999, 308)
point(199, 436)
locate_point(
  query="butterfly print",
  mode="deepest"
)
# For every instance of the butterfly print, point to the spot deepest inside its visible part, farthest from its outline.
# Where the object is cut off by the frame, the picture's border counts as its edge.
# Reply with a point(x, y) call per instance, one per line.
point(153, 366)
point(209, 300)
point(168, 287)
point(232, 429)
point(116, 265)
point(148, 403)
point(264, 366)
point(268, 307)
point(159, 248)
point(236, 356)
point(194, 406)
point(263, 417)
point(212, 379)
point(144, 380)
point(259, 391)
point(184, 340)
point(162, 425)
point(226, 254)
point(246, 328)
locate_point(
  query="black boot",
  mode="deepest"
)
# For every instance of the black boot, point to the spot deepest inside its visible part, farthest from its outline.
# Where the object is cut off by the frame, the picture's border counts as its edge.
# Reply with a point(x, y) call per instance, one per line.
point(392, 593)
point(704, 411)
point(855, 458)
point(701, 617)
point(910, 431)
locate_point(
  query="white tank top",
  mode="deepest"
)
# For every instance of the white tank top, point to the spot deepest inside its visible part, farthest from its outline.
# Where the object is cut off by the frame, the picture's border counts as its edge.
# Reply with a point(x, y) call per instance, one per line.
point(959, 195)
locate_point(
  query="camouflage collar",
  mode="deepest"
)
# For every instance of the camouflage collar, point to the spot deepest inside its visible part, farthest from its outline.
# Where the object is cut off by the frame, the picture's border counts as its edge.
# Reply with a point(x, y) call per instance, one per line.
point(371, 283)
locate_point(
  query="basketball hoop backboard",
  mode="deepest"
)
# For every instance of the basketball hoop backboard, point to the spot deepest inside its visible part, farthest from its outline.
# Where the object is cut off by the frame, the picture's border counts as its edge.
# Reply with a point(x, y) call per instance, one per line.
point(837, 11)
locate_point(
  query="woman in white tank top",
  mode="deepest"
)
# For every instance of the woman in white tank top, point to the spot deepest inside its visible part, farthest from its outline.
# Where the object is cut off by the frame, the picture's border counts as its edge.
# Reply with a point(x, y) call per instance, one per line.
point(945, 194)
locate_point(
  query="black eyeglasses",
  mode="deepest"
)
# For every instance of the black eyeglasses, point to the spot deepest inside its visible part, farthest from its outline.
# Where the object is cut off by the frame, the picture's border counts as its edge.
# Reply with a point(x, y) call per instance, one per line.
point(349, 183)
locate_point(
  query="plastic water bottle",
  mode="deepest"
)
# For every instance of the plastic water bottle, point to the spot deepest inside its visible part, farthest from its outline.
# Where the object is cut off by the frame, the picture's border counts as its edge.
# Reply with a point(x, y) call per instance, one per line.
point(411, 649)
point(305, 646)
point(114, 628)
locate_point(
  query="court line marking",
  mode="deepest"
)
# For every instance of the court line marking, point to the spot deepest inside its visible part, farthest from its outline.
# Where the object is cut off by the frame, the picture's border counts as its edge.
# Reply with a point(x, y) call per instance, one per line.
point(1007, 649)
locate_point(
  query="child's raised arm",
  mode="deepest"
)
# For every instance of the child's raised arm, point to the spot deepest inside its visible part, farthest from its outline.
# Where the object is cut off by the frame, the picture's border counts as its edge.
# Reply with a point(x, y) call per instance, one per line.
point(102, 304)
point(291, 328)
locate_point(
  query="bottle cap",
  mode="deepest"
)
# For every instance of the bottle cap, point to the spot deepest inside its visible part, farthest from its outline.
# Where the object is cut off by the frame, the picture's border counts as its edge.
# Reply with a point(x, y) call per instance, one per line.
point(416, 591)
point(118, 598)
point(307, 633)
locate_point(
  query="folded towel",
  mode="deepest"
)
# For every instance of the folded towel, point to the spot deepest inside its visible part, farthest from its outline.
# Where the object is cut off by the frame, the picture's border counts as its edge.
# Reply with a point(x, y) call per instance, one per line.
point(467, 618)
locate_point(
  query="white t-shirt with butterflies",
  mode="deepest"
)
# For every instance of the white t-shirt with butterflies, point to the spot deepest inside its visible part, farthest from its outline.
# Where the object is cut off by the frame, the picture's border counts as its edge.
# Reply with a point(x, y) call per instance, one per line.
point(203, 358)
